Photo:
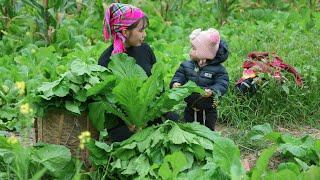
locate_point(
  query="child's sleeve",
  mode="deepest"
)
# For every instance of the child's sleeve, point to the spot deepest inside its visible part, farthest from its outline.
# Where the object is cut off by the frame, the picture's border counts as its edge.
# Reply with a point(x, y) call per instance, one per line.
point(179, 76)
point(221, 82)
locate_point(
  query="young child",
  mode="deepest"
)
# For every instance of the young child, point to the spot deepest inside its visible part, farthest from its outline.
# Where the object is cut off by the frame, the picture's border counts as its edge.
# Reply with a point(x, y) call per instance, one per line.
point(206, 70)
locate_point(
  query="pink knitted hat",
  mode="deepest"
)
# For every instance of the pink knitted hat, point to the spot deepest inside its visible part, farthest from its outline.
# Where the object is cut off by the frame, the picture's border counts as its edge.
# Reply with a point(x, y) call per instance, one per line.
point(206, 43)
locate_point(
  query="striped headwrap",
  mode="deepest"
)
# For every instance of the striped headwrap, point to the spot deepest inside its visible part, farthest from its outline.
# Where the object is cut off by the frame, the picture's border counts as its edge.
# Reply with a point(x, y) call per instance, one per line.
point(119, 17)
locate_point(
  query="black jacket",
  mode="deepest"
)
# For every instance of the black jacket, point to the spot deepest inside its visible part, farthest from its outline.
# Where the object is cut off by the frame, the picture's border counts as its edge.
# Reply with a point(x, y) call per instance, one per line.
point(211, 76)
point(143, 55)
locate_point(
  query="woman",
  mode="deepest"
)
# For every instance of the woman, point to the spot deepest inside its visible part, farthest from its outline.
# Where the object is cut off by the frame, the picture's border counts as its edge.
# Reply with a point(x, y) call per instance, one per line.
point(126, 25)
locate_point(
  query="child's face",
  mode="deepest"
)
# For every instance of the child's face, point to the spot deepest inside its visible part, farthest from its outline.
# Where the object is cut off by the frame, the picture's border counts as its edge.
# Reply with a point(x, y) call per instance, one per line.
point(193, 53)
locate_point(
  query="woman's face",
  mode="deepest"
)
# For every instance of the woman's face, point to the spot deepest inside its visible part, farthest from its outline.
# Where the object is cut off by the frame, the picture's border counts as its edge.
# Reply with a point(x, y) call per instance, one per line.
point(135, 36)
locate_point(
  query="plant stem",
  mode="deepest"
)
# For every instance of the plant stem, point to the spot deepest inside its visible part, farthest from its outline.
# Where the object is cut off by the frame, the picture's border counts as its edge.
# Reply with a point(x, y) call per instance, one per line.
point(46, 20)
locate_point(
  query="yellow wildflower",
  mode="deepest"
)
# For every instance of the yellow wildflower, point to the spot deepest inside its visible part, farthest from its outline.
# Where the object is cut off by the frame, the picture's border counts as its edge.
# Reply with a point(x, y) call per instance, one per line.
point(84, 138)
point(21, 85)
point(81, 146)
point(12, 139)
point(25, 108)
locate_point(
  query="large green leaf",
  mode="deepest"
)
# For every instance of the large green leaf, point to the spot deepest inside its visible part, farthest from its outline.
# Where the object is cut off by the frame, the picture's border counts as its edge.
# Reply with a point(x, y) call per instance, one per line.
point(171, 98)
point(227, 156)
point(258, 132)
point(139, 165)
point(97, 111)
point(52, 157)
point(97, 115)
point(312, 174)
point(200, 130)
point(46, 89)
point(262, 163)
point(126, 93)
point(178, 136)
point(172, 165)
point(79, 68)
point(153, 85)
point(73, 106)
point(62, 89)
point(100, 87)
point(123, 66)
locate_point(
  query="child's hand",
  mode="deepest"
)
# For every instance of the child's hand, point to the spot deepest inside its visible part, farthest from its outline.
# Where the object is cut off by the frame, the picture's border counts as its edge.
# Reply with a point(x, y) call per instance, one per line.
point(208, 93)
point(202, 62)
point(176, 84)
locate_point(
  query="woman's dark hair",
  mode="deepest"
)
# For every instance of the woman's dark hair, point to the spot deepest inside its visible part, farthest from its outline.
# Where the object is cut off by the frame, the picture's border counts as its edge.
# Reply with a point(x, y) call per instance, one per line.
point(145, 23)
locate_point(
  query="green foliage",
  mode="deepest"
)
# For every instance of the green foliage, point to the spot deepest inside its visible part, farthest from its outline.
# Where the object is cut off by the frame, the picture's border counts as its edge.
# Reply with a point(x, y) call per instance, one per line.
point(18, 162)
point(223, 9)
point(298, 156)
point(70, 90)
point(176, 161)
point(304, 151)
point(15, 112)
point(135, 98)
point(262, 163)
point(171, 151)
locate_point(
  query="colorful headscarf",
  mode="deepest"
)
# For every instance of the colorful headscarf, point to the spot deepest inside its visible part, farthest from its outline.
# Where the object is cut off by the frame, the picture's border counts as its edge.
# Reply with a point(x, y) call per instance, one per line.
point(119, 17)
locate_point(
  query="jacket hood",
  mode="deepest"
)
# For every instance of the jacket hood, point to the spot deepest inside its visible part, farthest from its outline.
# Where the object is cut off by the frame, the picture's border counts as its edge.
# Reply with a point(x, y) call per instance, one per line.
point(222, 54)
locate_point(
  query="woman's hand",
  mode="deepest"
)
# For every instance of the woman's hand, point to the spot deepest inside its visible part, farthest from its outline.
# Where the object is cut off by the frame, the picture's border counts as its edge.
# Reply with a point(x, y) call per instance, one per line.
point(176, 84)
point(133, 128)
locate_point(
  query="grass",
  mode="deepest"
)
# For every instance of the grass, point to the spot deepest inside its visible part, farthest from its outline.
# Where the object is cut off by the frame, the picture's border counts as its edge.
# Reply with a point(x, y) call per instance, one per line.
point(288, 33)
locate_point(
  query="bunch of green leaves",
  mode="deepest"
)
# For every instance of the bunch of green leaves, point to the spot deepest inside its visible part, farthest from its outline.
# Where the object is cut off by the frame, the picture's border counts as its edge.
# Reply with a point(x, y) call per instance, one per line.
point(135, 98)
point(46, 161)
point(305, 151)
point(15, 111)
point(69, 91)
point(170, 151)
point(16, 33)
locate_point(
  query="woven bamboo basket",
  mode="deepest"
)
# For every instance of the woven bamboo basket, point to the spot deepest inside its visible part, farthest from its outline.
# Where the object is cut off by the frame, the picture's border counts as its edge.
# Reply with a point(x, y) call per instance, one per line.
point(62, 127)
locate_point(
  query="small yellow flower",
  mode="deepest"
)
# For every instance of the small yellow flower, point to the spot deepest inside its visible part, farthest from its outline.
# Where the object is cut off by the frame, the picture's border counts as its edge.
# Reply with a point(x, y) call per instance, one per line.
point(84, 138)
point(33, 51)
point(81, 146)
point(21, 85)
point(25, 108)
point(12, 139)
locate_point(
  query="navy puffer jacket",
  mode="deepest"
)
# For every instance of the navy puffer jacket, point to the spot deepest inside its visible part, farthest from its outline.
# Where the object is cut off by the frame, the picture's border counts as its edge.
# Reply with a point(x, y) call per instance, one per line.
point(211, 76)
